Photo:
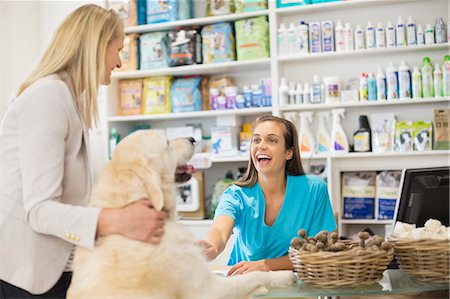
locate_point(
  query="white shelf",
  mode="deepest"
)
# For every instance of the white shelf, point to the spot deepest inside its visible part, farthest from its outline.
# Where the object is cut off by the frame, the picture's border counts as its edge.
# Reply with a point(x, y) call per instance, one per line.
point(194, 114)
point(230, 159)
point(365, 103)
point(390, 154)
point(199, 69)
point(194, 22)
point(362, 53)
point(365, 221)
point(330, 6)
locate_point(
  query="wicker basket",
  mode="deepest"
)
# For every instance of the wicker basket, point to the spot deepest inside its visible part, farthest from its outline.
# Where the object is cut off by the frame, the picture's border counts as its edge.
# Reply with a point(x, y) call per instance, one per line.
point(340, 269)
point(425, 259)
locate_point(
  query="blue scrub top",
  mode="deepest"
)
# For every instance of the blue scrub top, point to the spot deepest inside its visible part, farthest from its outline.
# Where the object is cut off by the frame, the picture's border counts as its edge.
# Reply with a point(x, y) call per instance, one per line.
point(306, 205)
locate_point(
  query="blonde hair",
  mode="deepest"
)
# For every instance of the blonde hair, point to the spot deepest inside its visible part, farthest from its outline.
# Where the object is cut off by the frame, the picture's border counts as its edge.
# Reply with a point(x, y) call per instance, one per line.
point(79, 48)
point(293, 166)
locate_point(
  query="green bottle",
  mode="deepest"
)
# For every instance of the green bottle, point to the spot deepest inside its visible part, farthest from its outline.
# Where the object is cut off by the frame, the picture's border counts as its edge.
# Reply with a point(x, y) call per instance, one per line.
point(427, 78)
point(114, 138)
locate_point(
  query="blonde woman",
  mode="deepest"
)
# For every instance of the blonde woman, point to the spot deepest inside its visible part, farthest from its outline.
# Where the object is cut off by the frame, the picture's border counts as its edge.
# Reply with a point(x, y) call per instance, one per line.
point(269, 204)
point(45, 172)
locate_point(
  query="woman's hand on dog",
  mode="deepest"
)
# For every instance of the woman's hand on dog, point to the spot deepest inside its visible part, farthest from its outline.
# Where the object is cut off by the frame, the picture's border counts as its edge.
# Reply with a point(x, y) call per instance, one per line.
point(139, 221)
point(245, 267)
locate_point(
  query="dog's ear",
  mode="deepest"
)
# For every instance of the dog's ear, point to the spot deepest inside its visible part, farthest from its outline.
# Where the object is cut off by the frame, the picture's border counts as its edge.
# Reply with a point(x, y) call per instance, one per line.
point(152, 183)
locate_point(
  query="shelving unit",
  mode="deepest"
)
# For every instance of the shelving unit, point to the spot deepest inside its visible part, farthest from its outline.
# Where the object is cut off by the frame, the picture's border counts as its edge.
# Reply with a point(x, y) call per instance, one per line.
point(301, 68)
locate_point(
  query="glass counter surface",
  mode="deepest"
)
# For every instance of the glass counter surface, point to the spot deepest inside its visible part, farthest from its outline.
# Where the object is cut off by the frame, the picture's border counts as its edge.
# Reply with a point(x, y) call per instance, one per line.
point(393, 282)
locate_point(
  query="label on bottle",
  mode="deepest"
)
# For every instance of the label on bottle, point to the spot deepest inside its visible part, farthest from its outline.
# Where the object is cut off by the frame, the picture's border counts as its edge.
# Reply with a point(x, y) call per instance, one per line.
point(361, 142)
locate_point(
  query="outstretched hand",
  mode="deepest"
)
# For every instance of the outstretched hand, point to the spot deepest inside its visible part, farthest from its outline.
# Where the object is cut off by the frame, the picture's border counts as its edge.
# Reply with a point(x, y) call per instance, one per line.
point(210, 251)
point(245, 267)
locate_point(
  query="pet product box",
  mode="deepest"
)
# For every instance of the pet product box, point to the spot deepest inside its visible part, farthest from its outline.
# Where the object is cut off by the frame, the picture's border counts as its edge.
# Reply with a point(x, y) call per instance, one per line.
point(441, 129)
point(422, 135)
point(156, 95)
point(358, 193)
point(387, 189)
point(224, 141)
point(130, 96)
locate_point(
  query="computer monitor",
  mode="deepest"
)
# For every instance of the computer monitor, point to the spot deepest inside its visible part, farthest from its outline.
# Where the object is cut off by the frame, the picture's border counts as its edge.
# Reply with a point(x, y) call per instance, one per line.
point(424, 194)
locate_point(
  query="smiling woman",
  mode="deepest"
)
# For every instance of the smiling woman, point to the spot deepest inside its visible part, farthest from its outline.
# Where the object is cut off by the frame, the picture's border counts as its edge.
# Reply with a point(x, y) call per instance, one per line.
point(270, 203)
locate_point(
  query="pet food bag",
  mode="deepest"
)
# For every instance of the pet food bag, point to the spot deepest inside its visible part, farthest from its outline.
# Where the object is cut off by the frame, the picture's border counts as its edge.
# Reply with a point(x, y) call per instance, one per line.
point(423, 135)
point(252, 38)
point(383, 130)
point(219, 7)
point(130, 96)
point(185, 9)
point(387, 188)
point(249, 5)
point(153, 50)
point(441, 129)
point(185, 47)
point(129, 53)
point(358, 192)
point(159, 11)
point(126, 10)
point(156, 95)
point(403, 136)
point(218, 43)
point(185, 94)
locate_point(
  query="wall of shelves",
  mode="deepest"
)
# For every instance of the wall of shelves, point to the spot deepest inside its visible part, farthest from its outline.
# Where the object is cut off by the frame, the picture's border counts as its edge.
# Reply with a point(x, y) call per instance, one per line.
point(302, 68)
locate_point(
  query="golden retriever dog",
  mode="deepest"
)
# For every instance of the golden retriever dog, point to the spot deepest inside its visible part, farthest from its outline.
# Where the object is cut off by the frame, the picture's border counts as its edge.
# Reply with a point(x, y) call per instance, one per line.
point(143, 166)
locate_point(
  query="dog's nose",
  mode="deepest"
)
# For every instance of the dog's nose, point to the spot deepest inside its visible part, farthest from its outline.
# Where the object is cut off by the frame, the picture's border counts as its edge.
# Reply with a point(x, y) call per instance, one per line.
point(192, 140)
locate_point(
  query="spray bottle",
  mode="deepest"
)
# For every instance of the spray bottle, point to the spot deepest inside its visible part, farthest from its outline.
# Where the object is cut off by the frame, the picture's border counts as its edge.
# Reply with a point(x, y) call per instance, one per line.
point(305, 135)
point(323, 137)
point(339, 141)
point(292, 117)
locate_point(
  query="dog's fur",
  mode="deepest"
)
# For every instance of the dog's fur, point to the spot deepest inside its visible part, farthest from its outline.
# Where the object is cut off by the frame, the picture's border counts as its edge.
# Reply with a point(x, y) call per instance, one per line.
point(143, 166)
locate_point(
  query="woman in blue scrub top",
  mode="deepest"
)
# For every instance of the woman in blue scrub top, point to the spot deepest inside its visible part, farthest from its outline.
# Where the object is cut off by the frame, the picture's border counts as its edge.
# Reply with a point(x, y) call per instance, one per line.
point(273, 200)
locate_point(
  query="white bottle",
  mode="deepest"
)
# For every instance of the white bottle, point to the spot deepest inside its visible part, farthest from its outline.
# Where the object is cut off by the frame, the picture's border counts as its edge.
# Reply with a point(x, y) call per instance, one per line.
point(323, 141)
point(420, 35)
point(416, 83)
point(306, 98)
point(305, 135)
point(282, 41)
point(437, 79)
point(303, 40)
point(390, 35)
point(380, 37)
point(299, 94)
point(411, 38)
point(381, 84)
point(316, 91)
point(348, 37)
point(391, 82)
point(370, 36)
point(339, 36)
point(292, 38)
point(440, 31)
point(359, 38)
point(363, 93)
point(283, 92)
point(400, 32)
point(404, 81)
point(291, 93)
point(429, 35)
point(339, 141)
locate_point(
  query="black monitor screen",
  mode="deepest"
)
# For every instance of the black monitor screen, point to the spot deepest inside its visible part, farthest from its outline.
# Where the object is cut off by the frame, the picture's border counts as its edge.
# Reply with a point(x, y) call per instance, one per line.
point(424, 194)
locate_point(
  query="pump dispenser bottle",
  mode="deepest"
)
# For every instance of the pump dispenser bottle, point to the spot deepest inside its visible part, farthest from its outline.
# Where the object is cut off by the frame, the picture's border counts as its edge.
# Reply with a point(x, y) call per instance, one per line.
point(339, 141)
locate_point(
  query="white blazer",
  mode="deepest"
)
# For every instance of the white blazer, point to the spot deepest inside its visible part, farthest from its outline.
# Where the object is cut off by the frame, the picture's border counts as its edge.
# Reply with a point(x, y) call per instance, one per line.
point(45, 182)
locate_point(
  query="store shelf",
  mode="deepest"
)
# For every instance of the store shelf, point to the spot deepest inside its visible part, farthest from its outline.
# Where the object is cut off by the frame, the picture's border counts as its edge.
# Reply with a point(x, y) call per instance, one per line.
point(362, 53)
point(365, 221)
point(389, 154)
point(199, 69)
point(194, 114)
point(418, 101)
point(331, 6)
point(194, 22)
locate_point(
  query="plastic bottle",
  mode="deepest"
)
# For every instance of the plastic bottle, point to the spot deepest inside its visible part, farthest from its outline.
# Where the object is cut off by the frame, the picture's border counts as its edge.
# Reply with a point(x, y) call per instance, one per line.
point(348, 37)
point(214, 94)
point(416, 83)
point(339, 141)
point(292, 40)
point(404, 81)
point(362, 141)
point(114, 139)
point(282, 41)
point(427, 78)
point(390, 35)
point(380, 36)
point(303, 40)
point(429, 35)
point(446, 76)
point(371, 87)
point(316, 91)
point(305, 135)
point(420, 35)
point(359, 38)
point(363, 96)
point(370, 36)
point(411, 38)
point(437, 80)
point(332, 89)
point(283, 92)
point(299, 94)
point(440, 31)
point(247, 96)
point(381, 84)
point(291, 93)
point(400, 32)
point(306, 96)
point(323, 141)
point(257, 98)
point(391, 82)
point(339, 36)
point(230, 95)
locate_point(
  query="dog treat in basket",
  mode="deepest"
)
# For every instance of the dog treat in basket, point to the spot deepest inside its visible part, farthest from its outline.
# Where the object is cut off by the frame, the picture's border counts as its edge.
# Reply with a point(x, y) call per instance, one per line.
point(433, 229)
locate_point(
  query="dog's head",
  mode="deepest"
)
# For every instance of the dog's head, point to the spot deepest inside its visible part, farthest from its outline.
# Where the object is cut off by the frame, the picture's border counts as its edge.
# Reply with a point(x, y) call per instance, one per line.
point(155, 159)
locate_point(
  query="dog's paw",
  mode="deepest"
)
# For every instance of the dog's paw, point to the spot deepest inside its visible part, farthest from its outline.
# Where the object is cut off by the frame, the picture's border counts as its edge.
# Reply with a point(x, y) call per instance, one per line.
point(281, 279)
point(261, 291)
